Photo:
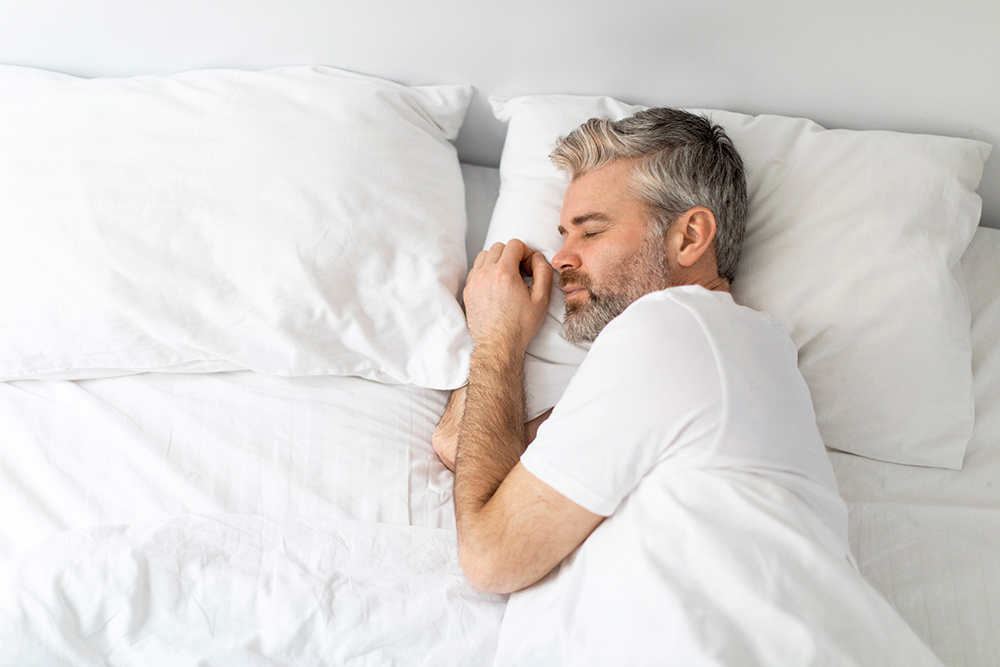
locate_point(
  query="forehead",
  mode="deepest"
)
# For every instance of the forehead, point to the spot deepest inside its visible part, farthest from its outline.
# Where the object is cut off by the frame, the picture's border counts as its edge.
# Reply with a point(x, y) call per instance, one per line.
point(607, 184)
point(604, 194)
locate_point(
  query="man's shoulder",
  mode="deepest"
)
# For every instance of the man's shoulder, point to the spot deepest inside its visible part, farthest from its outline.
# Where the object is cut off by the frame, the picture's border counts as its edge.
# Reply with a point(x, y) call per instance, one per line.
point(686, 327)
point(697, 301)
point(682, 311)
point(648, 334)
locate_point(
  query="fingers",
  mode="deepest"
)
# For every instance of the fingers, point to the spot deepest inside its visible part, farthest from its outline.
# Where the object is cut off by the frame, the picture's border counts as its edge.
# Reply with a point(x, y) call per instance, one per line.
point(520, 250)
point(541, 273)
point(495, 252)
point(492, 255)
point(499, 305)
point(513, 254)
point(518, 256)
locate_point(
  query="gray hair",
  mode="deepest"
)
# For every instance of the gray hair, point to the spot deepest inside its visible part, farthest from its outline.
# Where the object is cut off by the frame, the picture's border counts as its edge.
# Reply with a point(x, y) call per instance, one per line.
point(681, 161)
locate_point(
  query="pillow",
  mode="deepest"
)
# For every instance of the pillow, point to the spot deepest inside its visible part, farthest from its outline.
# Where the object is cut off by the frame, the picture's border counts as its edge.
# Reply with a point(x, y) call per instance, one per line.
point(295, 221)
point(851, 245)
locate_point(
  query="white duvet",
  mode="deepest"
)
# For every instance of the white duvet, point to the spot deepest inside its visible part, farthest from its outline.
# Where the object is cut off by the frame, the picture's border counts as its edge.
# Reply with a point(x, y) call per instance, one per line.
point(708, 568)
point(741, 579)
point(244, 590)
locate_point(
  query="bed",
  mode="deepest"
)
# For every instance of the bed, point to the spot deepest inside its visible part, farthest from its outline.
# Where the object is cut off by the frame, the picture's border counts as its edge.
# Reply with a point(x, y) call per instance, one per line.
point(220, 374)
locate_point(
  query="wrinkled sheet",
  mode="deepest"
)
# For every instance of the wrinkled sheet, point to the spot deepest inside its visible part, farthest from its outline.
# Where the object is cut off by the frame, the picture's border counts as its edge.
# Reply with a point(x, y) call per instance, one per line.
point(244, 590)
point(148, 447)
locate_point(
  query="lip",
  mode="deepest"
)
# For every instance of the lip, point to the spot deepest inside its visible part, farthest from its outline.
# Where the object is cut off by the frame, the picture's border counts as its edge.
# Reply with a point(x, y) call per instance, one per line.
point(570, 291)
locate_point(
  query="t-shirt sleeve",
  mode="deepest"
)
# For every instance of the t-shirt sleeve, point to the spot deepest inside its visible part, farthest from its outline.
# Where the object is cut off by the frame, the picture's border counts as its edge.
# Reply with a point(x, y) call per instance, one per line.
point(649, 393)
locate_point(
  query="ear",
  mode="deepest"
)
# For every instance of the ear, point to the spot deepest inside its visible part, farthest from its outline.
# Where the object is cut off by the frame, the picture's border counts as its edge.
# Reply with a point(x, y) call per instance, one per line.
point(691, 235)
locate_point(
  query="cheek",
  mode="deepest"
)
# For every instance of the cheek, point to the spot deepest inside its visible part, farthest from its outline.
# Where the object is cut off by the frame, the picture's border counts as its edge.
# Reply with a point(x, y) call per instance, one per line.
point(606, 268)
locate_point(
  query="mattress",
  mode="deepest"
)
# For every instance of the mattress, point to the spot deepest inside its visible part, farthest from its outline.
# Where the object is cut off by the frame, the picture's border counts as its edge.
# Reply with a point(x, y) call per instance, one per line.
point(239, 518)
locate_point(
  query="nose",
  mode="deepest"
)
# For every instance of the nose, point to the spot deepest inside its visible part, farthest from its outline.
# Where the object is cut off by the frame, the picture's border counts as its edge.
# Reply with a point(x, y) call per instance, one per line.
point(566, 258)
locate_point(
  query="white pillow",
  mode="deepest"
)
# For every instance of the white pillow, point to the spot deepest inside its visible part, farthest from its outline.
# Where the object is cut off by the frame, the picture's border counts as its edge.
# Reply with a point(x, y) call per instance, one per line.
point(851, 245)
point(296, 221)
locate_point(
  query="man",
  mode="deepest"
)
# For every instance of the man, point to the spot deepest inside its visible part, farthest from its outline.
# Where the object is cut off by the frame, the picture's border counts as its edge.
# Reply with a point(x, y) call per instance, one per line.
point(685, 401)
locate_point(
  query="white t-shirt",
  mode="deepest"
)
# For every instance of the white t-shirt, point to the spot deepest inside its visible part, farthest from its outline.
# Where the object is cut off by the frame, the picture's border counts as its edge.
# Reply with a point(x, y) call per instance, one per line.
point(686, 379)
point(690, 426)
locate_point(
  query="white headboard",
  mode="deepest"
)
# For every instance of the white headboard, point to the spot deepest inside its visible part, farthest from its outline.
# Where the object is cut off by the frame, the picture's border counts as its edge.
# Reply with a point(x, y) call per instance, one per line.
point(911, 65)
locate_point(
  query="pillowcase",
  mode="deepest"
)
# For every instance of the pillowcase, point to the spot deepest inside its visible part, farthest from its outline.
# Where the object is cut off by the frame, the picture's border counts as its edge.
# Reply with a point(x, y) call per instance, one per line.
point(295, 221)
point(851, 245)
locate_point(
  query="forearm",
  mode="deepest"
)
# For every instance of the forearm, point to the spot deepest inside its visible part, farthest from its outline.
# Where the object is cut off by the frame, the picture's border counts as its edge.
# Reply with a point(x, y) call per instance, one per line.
point(504, 314)
point(445, 438)
point(491, 440)
point(491, 436)
point(512, 528)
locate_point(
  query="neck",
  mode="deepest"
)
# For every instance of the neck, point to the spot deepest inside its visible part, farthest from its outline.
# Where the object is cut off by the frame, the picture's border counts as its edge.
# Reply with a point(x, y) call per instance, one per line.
point(716, 284)
point(707, 277)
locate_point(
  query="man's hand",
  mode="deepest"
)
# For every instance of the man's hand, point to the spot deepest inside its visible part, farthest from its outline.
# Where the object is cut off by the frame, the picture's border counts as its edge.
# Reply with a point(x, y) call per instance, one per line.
point(504, 313)
point(445, 438)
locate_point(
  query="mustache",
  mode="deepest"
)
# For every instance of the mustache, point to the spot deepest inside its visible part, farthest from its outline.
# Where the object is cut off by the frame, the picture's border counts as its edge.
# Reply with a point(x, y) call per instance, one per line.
point(576, 278)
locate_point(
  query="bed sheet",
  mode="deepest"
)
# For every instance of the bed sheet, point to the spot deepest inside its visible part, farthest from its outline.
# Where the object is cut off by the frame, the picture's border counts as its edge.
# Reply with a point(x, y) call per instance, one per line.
point(482, 187)
point(148, 447)
point(928, 538)
point(230, 519)
point(244, 590)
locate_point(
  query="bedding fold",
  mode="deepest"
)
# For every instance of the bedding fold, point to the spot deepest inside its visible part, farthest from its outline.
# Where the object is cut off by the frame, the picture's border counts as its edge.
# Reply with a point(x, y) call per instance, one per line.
point(241, 589)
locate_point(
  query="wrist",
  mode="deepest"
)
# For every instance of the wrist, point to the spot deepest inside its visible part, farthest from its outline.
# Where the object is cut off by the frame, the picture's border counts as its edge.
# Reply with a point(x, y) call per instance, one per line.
point(502, 355)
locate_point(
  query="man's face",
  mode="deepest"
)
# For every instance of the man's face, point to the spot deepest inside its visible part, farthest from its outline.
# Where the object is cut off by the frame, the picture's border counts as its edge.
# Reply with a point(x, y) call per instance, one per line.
point(611, 255)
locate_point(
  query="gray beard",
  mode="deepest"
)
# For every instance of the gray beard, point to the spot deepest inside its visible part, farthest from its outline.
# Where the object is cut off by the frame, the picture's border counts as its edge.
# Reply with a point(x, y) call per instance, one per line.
point(642, 273)
point(582, 323)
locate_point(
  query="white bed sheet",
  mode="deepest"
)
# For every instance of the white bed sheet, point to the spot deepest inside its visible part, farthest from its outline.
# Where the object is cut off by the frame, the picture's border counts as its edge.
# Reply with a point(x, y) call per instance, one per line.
point(152, 446)
point(245, 590)
point(482, 187)
point(230, 519)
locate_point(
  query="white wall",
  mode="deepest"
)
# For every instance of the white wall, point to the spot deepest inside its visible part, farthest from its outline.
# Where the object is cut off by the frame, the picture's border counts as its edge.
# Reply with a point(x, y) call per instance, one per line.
point(912, 65)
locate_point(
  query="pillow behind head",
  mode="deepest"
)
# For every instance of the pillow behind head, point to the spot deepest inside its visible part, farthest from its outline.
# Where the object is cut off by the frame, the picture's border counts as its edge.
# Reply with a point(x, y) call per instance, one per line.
point(296, 221)
point(851, 244)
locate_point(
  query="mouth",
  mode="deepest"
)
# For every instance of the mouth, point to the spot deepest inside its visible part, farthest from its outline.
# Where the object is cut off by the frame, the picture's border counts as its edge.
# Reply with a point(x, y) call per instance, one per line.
point(571, 290)
point(573, 284)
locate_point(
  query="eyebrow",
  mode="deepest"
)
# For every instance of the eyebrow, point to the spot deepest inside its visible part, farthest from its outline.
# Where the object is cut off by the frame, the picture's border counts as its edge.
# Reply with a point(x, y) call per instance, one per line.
point(581, 219)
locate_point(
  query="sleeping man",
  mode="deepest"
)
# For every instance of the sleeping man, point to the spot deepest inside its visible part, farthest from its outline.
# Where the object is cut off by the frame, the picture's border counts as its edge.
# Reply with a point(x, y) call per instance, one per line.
point(677, 506)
